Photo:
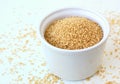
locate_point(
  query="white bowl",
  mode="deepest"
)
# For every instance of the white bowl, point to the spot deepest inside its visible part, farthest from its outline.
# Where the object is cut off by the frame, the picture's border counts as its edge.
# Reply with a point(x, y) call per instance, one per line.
point(73, 64)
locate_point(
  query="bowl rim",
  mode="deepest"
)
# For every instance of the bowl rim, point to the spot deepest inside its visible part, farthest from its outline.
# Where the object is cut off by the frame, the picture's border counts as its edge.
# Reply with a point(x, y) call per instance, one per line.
point(75, 50)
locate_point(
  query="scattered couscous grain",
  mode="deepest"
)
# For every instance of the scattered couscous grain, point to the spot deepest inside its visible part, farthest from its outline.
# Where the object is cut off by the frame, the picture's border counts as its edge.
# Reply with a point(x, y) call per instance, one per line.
point(73, 33)
point(111, 82)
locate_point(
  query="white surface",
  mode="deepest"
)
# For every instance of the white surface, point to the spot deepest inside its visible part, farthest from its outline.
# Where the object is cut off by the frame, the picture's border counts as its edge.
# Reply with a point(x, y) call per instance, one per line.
point(16, 15)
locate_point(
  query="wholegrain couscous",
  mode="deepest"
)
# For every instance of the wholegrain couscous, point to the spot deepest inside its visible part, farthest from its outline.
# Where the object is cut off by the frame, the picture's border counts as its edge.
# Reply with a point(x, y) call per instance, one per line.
point(73, 33)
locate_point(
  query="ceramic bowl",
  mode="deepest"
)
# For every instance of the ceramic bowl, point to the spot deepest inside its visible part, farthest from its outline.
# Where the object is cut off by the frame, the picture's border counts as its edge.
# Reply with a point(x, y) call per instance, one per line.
point(73, 64)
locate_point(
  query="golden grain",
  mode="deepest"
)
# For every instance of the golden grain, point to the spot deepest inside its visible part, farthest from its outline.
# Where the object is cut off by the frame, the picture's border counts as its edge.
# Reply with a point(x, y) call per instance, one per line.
point(73, 33)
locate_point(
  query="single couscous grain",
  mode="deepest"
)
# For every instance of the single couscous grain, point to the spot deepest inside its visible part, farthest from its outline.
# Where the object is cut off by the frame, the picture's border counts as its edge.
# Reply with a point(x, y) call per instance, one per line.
point(73, 33)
